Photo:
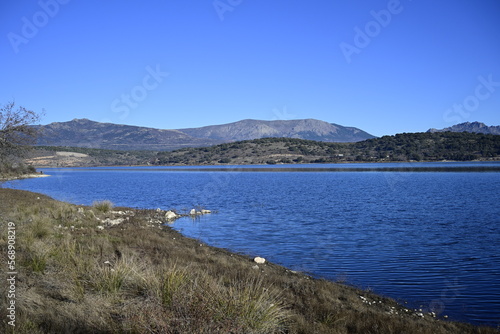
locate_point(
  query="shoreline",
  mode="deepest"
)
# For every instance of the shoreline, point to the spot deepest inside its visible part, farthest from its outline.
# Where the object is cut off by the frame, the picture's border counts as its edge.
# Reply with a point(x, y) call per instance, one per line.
point(313, 165)
point(149, 224)
point(22, 177)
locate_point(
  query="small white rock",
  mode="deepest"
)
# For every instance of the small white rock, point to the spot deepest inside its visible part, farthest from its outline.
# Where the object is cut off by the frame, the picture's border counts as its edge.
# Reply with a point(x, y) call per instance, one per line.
point(259, 260)
point(170, 215)
point(192, 212)
point(113, 222)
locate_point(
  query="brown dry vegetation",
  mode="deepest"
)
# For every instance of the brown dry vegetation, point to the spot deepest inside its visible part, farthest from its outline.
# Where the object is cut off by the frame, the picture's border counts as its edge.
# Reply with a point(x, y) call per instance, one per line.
point(142, 277)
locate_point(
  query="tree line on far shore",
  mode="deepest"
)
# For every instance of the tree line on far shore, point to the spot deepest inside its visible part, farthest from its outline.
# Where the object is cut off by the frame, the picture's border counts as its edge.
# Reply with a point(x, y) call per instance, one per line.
point(458, 146)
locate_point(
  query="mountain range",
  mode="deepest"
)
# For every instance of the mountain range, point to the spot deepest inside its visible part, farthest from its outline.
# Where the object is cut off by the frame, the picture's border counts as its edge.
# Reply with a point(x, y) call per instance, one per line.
point(476, 127)
point(91, 134)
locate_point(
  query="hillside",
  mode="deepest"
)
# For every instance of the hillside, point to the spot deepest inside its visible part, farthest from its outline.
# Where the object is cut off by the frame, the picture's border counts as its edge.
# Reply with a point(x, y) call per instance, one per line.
point(90, 134)
point(401, 147)
point(60, 156)
point(310, 129)
point(476, 127)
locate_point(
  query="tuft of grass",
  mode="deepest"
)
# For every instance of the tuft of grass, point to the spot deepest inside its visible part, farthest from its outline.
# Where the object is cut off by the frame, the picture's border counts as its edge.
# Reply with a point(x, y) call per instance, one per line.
point(125, 275)
point(109, 278)
point(170, 282)
point(36, 257)
point(40, 228)
point(103, 206)
point(256, 307)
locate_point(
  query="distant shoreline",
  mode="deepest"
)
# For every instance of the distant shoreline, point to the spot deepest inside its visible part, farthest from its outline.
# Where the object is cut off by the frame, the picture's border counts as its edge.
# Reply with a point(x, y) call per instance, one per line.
point(312, 167)
point(25, 176)
point(270, 165)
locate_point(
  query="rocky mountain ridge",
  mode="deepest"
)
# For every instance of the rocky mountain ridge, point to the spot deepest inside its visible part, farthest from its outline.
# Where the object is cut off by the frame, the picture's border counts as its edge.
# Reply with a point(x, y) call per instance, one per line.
point(474, 127)
point(311, 129)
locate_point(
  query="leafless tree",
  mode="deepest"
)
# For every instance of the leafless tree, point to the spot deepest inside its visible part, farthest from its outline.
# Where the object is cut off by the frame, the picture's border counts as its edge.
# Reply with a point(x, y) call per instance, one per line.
point(16, 131)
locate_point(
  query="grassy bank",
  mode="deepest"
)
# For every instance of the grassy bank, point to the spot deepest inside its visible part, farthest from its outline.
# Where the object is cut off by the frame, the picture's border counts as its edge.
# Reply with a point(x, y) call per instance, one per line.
point(115, 270)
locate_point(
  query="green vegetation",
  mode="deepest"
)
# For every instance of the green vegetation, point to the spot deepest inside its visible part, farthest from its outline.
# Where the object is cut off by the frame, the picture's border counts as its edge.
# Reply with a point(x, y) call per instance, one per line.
point(78, 275)
point(401, 147)
point(461, 146)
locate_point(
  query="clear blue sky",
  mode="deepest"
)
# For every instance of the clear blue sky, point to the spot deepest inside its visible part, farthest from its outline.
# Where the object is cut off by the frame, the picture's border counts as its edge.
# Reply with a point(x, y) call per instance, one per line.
point(383, 66)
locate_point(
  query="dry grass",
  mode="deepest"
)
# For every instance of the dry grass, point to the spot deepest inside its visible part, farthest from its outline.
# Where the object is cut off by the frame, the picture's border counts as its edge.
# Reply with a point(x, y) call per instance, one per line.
point(103, 206)
point(141, 277)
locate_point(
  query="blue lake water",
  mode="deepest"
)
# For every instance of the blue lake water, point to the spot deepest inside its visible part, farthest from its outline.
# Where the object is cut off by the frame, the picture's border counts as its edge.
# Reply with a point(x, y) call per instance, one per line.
point(428, 236)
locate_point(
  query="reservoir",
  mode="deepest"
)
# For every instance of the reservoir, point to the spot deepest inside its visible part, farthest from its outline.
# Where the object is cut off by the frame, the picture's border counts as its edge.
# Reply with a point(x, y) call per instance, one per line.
point(426, 234)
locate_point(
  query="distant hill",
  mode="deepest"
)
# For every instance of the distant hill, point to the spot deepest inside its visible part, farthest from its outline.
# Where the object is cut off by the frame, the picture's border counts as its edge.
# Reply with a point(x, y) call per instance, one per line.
point(90, 134)
point(310, 129)
point(475, 127)
point(401, 147)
